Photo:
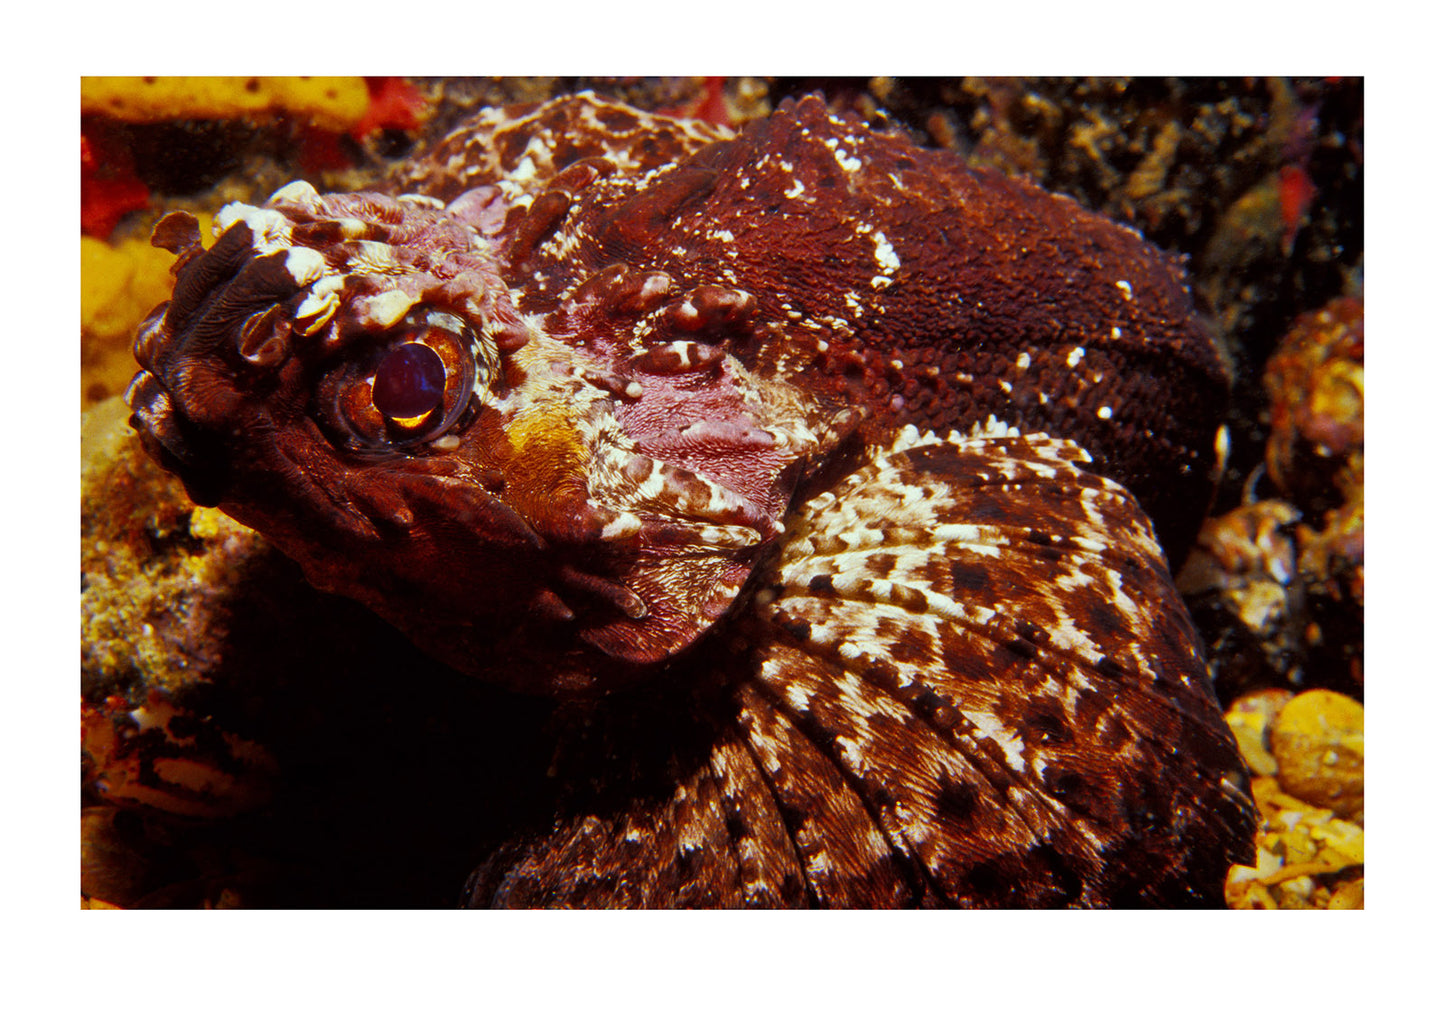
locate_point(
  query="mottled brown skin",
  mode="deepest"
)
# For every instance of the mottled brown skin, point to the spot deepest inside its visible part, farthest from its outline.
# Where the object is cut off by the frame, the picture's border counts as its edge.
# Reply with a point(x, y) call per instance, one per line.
point(990, 268)
point(1128, 795)
point(811, 656)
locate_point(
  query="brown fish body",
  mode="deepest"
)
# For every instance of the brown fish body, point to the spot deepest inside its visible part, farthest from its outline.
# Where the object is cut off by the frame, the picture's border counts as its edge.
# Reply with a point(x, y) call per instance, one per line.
point(596, 399)
point(884, 276)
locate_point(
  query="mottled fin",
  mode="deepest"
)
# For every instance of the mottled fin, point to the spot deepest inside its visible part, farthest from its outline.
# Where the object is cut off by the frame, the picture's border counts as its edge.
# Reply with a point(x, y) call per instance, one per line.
point(966, 680)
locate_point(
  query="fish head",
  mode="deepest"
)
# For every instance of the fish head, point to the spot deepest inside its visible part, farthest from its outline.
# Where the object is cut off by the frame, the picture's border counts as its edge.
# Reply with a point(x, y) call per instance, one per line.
point(559, 502)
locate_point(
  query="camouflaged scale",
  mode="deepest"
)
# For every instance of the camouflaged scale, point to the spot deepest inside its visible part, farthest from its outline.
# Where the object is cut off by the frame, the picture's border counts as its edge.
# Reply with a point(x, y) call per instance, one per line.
point(812, 472)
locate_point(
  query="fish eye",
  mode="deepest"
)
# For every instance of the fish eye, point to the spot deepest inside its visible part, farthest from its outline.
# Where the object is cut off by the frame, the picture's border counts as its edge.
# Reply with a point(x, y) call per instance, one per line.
point(410, 382)
point(409, 388)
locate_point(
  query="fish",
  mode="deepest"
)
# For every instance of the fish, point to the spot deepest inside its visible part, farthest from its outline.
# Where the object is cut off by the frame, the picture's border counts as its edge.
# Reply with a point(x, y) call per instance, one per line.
point(828, 487)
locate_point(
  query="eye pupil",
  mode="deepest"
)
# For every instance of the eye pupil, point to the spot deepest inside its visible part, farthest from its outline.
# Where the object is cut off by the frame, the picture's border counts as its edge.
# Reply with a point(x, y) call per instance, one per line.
point(410, 381)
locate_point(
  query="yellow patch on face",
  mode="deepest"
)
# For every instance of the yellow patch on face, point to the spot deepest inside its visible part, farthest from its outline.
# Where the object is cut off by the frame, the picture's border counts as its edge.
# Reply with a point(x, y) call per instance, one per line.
point(546, 426)
point(549, 455)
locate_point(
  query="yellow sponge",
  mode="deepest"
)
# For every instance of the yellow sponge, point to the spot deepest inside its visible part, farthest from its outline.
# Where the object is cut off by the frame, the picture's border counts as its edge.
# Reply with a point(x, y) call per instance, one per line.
point(331, 103)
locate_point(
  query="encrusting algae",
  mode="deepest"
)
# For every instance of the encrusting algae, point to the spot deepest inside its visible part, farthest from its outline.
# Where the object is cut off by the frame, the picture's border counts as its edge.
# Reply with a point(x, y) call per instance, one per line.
point(1307, 756)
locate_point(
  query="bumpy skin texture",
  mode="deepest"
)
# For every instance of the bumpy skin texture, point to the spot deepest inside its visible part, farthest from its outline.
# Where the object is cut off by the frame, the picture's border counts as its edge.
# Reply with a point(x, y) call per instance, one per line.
point(675, 471)
point(966, 680)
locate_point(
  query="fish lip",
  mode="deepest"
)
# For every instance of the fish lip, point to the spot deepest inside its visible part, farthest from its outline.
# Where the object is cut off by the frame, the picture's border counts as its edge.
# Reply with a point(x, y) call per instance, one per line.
point(193, 454)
